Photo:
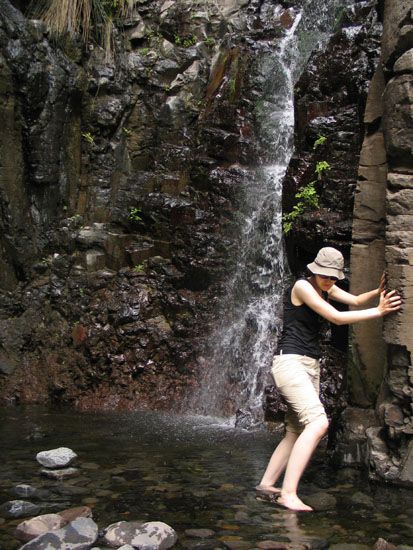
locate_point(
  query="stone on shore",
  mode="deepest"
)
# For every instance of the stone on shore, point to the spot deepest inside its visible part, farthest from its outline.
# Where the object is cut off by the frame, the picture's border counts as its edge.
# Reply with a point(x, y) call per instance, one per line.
point(154, 535)
point(56, 458)
point(80, 534)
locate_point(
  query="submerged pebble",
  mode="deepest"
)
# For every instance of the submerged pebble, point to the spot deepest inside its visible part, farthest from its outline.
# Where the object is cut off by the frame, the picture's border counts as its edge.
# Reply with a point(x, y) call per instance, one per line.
point(363, 499)
point(349, 546)
point(64, 473)
point(24, 490)
point(237, 544)
point(321, 501)
point(200, 533)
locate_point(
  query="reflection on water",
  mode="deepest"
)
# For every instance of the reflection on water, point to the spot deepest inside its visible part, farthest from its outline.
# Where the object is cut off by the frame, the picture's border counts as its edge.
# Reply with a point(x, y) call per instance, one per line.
point(190, 472)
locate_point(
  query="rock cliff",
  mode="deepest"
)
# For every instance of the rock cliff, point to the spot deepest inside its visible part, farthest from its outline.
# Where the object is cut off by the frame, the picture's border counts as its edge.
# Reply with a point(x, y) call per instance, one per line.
point(380, 374)
point(361, 105)
point(120, 183)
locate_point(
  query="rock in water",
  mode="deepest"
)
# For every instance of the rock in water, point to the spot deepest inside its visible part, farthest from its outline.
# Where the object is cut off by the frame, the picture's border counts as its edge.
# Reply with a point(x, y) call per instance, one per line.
point(154, 535)
point(18, 509)
point(321, 501)
point(80, 534)
point(60, 474)
point(24, 490)
point(32, 528)
point(56, 458)
point(73, 513)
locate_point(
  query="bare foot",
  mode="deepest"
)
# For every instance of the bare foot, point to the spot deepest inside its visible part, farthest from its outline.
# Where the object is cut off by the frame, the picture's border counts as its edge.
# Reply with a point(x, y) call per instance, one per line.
point(268, 489)
point(292, 502)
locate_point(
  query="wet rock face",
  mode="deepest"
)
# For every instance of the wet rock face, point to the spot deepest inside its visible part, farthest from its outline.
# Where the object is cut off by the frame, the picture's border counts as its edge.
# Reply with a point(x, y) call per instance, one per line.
point(330, 101)
point(380, 375)
point(119, 201)
point(38, 89)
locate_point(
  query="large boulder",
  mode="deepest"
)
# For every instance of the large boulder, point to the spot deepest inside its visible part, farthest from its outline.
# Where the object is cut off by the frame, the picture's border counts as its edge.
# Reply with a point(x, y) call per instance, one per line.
point(154, 535)
point(80, 534)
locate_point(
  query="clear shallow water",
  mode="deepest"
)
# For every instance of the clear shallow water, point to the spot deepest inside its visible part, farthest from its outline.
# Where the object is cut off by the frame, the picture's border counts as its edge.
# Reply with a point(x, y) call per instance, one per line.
point(190, 472)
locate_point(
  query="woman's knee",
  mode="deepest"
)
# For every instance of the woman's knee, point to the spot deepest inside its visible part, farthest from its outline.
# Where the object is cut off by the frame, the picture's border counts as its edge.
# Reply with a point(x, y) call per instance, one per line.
point(319, 425)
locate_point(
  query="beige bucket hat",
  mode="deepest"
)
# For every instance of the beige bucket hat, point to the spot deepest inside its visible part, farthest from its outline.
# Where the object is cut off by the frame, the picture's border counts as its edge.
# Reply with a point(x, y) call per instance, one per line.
point(329, 261)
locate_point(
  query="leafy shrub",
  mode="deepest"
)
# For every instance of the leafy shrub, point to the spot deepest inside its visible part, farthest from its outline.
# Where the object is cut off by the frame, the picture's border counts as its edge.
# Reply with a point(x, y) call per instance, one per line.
point(135, 215)
point(308, 199)
point(319, 141)
point(321, 167)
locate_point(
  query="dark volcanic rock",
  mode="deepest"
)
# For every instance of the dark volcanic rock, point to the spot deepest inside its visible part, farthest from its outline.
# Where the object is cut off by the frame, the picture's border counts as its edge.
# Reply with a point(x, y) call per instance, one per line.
point(119, 204)
point(330, 100)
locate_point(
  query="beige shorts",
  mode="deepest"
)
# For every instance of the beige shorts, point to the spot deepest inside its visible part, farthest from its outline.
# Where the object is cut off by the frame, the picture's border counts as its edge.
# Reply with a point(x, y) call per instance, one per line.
point(297, 378)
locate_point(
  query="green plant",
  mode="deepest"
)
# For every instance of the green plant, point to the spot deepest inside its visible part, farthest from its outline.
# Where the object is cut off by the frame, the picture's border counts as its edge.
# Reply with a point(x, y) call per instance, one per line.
point(135, 215)
point(88, 137)
point(139, 268)
point(209, 42)
point(185, 41)
point(126, 131)
point(154, 36)
point(309, 196)
point(319, 141)
point(144, 51)
point(308, 199)
point(321, 167)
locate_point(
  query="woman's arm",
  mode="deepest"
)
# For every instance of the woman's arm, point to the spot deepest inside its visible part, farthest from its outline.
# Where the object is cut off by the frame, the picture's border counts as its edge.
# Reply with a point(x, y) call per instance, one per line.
point(340, 295)
point(306, 293)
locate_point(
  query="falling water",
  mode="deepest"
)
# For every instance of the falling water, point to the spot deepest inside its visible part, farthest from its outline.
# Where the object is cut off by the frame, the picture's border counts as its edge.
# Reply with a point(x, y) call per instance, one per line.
point(237, 367)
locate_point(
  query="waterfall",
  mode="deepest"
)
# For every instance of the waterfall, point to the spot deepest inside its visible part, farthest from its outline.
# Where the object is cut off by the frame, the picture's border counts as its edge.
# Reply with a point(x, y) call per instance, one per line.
point(236, 370)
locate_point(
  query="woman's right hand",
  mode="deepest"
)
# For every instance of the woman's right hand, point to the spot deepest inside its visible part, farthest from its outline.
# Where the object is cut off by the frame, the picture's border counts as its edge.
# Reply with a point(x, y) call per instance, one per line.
point(389, 302)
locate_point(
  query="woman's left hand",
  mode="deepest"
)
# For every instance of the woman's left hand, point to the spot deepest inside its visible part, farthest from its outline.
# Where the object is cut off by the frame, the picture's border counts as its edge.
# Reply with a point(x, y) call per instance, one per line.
point(389, 302)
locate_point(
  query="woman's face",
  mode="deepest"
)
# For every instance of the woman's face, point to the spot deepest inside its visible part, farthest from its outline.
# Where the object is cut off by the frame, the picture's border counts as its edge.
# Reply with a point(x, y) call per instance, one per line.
point(324, 282)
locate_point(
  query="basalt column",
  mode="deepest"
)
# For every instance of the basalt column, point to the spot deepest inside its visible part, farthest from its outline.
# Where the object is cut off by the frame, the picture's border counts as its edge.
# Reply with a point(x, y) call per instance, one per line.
point(380, 374)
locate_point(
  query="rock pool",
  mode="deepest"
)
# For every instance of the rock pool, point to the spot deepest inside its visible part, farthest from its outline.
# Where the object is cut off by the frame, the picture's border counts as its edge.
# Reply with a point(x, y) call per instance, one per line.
point(191, 473)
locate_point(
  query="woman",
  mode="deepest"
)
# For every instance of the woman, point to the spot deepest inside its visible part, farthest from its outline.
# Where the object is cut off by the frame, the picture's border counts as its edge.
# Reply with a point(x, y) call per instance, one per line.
point(296, 368)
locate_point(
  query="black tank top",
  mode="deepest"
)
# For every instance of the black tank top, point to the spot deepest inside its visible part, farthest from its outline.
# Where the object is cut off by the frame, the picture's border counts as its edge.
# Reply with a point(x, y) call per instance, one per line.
point(301, 331)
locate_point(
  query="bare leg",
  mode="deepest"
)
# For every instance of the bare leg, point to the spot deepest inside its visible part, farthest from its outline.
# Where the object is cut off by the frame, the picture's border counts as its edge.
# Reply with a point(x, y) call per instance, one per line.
point(299, 457)
point(277, 463)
